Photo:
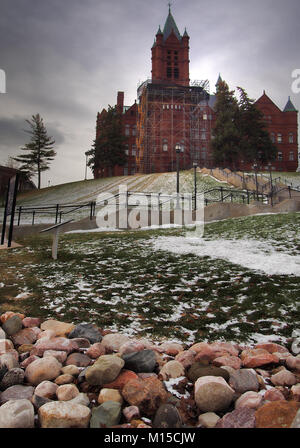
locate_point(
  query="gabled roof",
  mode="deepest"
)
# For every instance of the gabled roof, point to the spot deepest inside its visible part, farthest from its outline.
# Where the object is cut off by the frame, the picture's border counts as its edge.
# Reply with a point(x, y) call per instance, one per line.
point(289, 107)
point(170, 26)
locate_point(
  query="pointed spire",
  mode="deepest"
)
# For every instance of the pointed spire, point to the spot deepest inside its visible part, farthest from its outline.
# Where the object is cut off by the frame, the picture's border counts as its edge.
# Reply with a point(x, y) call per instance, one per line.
point(185, 34)
point(159, 30)
point(289, 107)
point(219, 80)
point(170, 26)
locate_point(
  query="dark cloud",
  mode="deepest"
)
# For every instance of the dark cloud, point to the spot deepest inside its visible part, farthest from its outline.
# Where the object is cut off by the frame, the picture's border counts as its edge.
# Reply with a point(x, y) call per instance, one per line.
point(67, 59)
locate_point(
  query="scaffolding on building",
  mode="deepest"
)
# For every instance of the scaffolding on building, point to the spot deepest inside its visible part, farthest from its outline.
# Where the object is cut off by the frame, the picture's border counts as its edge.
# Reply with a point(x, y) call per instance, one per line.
point(170, 115)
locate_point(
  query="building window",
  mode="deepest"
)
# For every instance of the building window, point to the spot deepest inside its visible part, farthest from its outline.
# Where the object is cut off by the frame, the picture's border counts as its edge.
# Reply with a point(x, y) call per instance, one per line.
point(169, 72)
point(291, 155)
point(127, 129)
point(272, 137)
point(126, 150)
point(291, 137)
point(134, 130)
point(133, 150)
point(204, 116)
point(165, 145)
point(280, 157)
point(176, 73)
point(279, 138)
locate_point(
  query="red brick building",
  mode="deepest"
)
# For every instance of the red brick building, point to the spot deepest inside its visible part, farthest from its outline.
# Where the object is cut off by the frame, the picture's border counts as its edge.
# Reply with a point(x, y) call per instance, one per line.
point(173, 112)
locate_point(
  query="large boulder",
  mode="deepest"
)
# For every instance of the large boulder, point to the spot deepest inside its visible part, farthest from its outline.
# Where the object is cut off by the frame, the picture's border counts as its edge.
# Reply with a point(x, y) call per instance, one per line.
point(212, 394)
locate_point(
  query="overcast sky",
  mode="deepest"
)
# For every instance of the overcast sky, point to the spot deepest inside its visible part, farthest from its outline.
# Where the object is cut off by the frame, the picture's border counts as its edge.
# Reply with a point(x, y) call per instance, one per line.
point(66, 59)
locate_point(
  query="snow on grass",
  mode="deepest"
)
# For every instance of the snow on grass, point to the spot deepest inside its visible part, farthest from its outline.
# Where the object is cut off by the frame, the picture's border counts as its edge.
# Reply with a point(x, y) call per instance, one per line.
point(249, 253)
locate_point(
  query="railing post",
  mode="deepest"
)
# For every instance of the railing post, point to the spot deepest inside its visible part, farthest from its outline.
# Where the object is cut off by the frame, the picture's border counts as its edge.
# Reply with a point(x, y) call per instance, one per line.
point(290, 194)
point(56, 214)
point(221, 190)
point(19, 215)
point(91, 210)
point(33, 215)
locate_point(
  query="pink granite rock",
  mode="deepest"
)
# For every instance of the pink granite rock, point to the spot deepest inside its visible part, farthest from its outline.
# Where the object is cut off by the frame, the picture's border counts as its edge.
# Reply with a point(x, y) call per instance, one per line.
point(223, 348)
point(212, 393)
point(131, 412)
point(67, 392)
point(274, 395)
point(28, 361)
point(42, 369)
point(239, 418)
point(31, 322)
point(60, 344)
point(257, 357)
point(284, 378)
point(131, 346)
point(46, 389)
point(249, 399)
point(186, 358)
point(293, 362)
point(271, 347)
point(95, 350)
point(60, 355)
point(25, 336)
point(47, 334)
point(295, 390)
point(230, 361)
point(171, 348)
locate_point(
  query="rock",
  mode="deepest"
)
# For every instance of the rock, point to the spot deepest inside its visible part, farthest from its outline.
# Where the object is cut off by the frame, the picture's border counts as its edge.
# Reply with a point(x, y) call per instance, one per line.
point(63, 414)
point(82, 342)
point(283, 378)
point(12, 377)
point(66, 378)
point(46, 389)
point(142, 361)
point(186, 358)
point(95, 350)
point(147, 394)
point(104, 370)
point(113, 341)
point(276, 414)
point(28, 361)
point(55, 343)
point(271, 347)
point(29, 322)
point(46, 334)
point(131, 347)
point(42, 369)
point(59, 328)
point(78, 359)
point(8, 360)
point(12, 325)
point(295, 391)
point(71, 370)
point(16, 392)
point(296, 421)
point(5, 346)
point(273, 394)
point(208, 420)
point(109, 395)
point(106, 415)
point(223, 349)
point(204, 353)
point(67, 392)
point(250, 399)
point(4, 317)
point(2, 334)
point(171, 348)
point(17, 414)
point(257, 357)
point(197, 370)
point(243, 380)
point(87, 331)
point(227, 360)
point(81, 398)
point(121, 380)
point(58, 354)
point(25, 336)
point(293, 362)
point(239, 418)
point(38, 401)
point(25, 348)
point(212, 394)
point(172, 369)
point(131, 412)
point(167, 416)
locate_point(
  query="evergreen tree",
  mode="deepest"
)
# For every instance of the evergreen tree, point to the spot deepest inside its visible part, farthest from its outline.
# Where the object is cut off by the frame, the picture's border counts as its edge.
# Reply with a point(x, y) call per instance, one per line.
point(108, 149)
point(39, 150)
point(255, 143)
point(225, 135)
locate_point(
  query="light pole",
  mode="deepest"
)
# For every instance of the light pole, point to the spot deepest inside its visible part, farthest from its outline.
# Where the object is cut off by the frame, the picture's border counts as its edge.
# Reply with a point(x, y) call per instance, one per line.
point(271, 182)
point(255, 171)
point(177, 149)
point(195, 184)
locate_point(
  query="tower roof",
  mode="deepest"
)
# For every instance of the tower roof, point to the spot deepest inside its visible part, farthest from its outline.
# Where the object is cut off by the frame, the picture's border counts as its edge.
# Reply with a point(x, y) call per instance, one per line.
point(170, 26)
point(289, 107)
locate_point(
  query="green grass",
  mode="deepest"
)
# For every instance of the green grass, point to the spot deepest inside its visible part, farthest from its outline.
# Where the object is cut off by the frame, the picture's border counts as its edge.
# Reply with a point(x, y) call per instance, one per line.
point(118, 281)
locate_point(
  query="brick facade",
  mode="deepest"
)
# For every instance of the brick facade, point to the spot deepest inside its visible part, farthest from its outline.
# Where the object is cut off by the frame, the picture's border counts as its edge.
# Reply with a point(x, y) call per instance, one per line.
point(170, 112)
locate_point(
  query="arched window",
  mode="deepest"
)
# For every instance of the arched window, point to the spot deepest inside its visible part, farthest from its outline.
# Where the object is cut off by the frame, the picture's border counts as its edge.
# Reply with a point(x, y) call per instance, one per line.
point(291, 137)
